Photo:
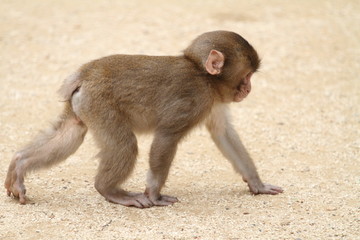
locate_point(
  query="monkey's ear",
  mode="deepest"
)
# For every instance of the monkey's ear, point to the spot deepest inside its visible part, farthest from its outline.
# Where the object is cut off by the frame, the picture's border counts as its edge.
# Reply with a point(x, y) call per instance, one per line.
point(214, 62)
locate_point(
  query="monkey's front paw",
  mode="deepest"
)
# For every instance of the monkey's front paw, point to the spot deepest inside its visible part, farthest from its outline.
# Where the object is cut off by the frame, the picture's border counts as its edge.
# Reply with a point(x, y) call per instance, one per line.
point(266, 189)
point(163, 200)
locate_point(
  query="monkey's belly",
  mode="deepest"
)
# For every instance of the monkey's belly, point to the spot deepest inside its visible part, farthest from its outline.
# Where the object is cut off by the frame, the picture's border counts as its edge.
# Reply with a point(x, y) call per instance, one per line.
point(142, 121)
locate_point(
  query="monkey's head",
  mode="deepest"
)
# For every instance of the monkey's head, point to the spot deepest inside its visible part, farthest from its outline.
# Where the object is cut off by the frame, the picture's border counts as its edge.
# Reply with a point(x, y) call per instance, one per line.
point(229, 59)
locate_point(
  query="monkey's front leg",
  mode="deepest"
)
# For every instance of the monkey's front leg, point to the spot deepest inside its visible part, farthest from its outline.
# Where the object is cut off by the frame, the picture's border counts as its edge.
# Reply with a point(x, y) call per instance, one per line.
point(162, 153)
point(232, 148)
point(228, 142)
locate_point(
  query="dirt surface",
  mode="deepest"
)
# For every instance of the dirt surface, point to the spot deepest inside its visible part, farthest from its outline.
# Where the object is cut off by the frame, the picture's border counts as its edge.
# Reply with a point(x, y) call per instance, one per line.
point(301, 122)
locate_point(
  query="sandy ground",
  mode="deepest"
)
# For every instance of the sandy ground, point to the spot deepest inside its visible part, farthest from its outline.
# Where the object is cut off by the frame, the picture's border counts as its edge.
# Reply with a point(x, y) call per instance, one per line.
point(301, 123)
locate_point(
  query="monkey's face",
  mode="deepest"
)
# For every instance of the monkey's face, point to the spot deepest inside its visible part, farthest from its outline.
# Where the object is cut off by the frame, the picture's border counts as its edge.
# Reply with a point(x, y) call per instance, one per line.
point(243, 87)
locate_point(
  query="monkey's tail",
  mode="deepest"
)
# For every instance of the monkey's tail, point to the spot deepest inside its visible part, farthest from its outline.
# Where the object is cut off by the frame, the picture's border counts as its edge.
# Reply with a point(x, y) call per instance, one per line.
point(70, 86)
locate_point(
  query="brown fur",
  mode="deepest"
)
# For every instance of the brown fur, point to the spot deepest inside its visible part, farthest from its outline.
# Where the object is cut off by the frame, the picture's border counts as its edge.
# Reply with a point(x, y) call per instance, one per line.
point(120, 95)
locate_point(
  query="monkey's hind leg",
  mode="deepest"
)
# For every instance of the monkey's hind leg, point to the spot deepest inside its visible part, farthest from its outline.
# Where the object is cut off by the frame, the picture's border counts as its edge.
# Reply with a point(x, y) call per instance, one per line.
point(117, 160)
point(48, 148)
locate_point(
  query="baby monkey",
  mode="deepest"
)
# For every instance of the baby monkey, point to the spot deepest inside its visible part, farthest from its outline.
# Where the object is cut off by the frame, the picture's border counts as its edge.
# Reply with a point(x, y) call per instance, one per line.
point(120, 95)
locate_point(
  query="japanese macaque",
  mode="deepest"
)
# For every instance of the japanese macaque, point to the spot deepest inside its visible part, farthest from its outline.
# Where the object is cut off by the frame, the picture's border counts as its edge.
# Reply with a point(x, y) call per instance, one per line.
point(120, 95)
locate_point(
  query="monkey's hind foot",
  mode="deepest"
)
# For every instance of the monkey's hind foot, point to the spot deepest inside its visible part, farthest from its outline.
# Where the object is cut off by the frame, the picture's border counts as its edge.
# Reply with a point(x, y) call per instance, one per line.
point(17, 190)
point(128, 199)
point(14, 182)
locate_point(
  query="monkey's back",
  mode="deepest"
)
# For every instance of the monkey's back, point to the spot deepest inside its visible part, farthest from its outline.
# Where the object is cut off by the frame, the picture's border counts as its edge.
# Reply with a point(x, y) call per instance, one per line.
point(145, 91)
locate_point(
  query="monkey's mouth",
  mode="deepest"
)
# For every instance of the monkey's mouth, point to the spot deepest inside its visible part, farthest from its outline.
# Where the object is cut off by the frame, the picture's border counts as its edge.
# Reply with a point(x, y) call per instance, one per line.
point(239, 90)
point(239, 94)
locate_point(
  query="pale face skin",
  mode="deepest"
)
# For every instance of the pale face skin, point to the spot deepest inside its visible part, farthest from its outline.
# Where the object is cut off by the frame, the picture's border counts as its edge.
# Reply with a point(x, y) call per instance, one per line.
point(244, 88)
